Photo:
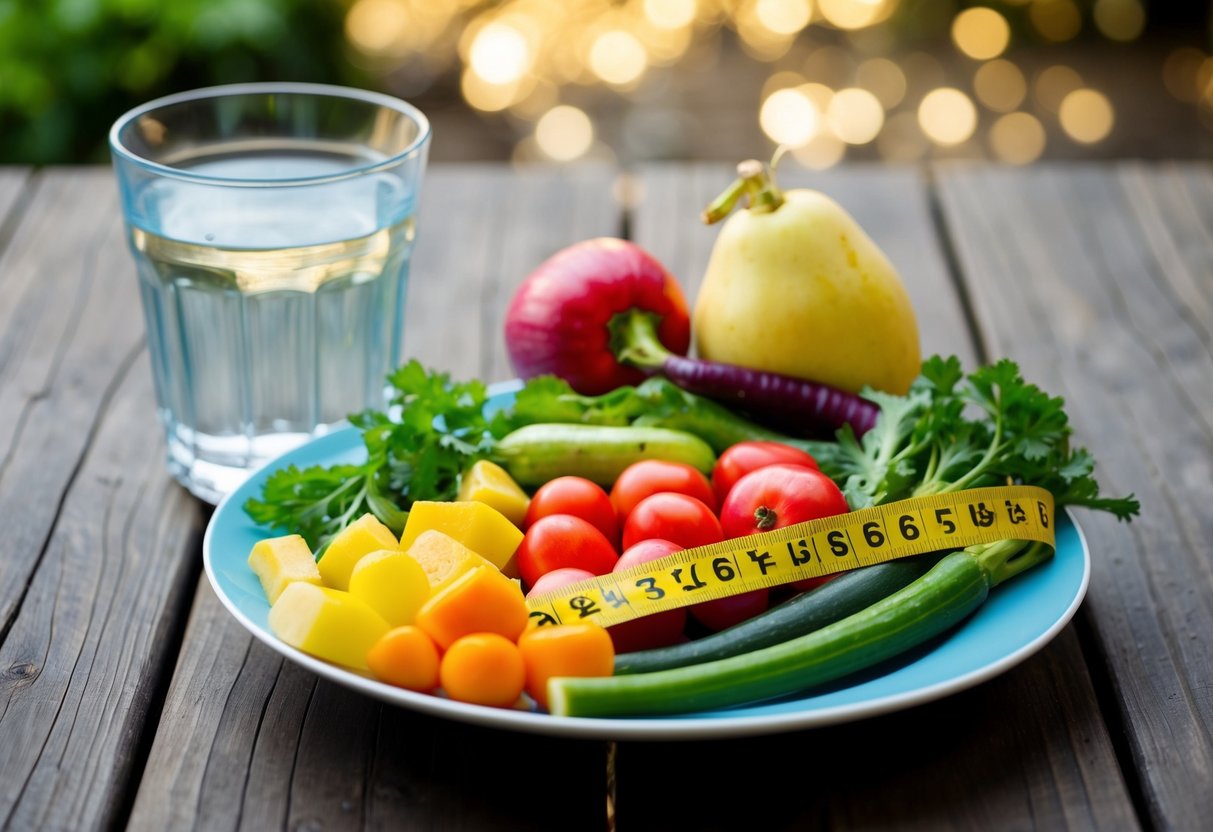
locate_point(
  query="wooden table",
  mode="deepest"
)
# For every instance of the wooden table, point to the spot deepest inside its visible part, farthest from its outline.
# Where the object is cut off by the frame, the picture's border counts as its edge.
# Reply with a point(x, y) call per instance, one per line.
point(130, 698)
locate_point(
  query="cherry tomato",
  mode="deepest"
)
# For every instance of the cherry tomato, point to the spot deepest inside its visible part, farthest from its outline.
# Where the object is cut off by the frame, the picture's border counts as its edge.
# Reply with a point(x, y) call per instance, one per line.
point(671, 516)
point(576, 496)
point(557, 578)
point(653, 476)
point(721, 613)
point(563, 540)
point(659, 629)
point(744, 457)
point(778, 496)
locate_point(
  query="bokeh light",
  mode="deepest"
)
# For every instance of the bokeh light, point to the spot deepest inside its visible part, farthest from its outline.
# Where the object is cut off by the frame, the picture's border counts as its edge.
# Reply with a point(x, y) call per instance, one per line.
point(823, 151)
point(377, 26)
point(1181, 73)
point(1017, 138)
point(783, 17)
point(947, 116)
point(854, 14)
point(670, 14)
point(1121, 20)
point(789, 118)
point(1000, 85)
point(884, 79)
point(981, 33)
point(1056, 20)
point(564, 133)
point(1054, 84)
point(499, 54)
point(1086, 115)
point(618, 57)
point(855, 115)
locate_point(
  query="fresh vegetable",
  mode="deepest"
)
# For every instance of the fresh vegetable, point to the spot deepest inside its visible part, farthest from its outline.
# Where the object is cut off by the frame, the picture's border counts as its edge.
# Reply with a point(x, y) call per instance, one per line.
point(848, 593)
point(794, 286)
point(278, 561)
point(777, 496)
point(744, 457)
point(489, 483)
point(579, 497)
point(952, 431)
point(326, 623)
point(443, 558)
point(652, 476)
point(361, 537)
point(562, 540)
point(537, 453)
point(436, 429)
point(674, 517)
point(476, 525)
point(481, 600)
point(579, 649)
point(560, 577)
point(656, 629)
point(391, 583)
point(405, 657)
point(483, 669)
point(557, 320)
point(722, 613)
point(805, 404)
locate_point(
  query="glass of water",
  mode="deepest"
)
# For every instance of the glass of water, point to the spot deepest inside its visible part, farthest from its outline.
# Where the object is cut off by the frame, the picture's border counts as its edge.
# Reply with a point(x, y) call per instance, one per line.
point(271, 227)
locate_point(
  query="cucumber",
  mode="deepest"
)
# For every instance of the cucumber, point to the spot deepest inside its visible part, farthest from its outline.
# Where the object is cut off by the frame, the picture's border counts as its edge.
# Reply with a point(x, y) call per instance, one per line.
point(844, 595)
point(948, 593)
point(537, 453)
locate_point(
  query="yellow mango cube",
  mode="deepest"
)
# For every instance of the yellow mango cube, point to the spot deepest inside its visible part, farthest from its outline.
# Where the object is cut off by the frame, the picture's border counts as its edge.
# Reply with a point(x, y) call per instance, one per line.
point(363, 536)
point(478, 526)
point(487, 482)
point(392, 584)
point(443, 558)
point(327, 623)
point(278, 561)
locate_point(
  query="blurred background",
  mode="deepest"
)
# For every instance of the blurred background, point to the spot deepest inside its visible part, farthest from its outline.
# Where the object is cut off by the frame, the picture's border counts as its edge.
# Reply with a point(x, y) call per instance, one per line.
point(637, 80)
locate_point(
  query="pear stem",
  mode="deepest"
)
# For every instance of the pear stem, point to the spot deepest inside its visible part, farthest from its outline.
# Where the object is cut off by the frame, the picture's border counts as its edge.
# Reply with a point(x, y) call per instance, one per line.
point(756, 182)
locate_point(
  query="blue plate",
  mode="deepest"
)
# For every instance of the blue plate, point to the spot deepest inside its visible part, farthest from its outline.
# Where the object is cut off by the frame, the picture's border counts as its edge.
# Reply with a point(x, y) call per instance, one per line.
point(1018, 619)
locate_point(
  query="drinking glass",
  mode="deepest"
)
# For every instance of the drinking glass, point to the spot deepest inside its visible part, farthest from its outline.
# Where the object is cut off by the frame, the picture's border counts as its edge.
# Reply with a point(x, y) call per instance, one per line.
point(271, 227)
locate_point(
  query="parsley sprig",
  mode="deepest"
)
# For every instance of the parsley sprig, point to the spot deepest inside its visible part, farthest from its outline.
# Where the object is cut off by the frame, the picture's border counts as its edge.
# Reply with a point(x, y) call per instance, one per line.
point(955, 431)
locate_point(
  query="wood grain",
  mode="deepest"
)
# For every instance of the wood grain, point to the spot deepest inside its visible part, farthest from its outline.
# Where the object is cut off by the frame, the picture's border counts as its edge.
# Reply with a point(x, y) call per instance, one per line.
point(249, 741)
point(98, 550)
point(1026, 750)
point(1097, 280)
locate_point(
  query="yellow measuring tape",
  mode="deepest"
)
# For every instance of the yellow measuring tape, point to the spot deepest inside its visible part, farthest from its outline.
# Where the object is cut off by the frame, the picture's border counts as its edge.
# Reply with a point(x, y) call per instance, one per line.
point(805, 550)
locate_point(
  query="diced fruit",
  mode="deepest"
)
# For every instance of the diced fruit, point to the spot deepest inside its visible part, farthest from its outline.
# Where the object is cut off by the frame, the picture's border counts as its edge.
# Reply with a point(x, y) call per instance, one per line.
point(363, 536)
point(392, 584)
point(487, 482)
point(478, 526)
point(443, 558)
point(483, 669)
point(481, 600)
point(405, 657)
point(579, 649)
point(278, 561)
point(327, 623)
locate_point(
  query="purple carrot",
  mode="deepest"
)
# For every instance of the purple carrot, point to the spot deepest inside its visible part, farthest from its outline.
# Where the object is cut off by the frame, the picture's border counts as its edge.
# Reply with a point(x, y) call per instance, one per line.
point(772, 395)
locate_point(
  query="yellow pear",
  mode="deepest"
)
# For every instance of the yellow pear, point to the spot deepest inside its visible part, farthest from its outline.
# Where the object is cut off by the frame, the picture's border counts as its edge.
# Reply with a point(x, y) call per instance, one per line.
point(795, 286)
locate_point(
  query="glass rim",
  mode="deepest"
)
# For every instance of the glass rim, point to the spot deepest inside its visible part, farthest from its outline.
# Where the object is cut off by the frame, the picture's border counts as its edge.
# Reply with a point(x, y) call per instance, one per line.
point(119, 149)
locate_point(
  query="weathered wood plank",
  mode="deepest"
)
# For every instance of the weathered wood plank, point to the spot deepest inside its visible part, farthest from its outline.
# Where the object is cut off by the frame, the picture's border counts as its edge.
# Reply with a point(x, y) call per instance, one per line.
point(15, 183)
point(247, 740)
point(1097, 281)
point(1026, 750)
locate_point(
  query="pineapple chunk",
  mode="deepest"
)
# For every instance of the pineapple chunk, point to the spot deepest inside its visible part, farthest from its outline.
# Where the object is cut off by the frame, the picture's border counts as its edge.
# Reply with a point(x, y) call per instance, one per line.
point(363, 536)
point(489, 483)
point(392, 584)
point(478, 526)
point(327, 623)
point(443, 558)
point(278, 561)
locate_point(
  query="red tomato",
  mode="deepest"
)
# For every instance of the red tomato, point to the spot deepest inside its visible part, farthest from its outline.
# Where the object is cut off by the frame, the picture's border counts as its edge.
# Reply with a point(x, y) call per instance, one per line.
point(744, 457)
point(659, 629)
point(778, 496)
point(675, 517)
point(720, 613)
point(653, 476)
point(563, 540)
point(579, 497)
point(557, 578)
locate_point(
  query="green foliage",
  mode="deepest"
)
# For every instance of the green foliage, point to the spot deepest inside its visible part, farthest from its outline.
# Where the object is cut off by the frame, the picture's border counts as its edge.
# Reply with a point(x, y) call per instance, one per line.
point(69, 68)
